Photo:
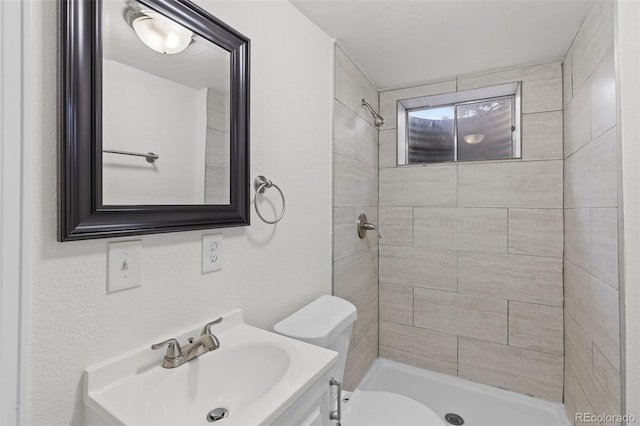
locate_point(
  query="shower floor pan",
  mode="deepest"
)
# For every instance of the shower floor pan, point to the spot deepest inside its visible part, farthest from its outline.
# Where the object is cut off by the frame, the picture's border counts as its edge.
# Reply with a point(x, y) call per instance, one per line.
point(477, 404)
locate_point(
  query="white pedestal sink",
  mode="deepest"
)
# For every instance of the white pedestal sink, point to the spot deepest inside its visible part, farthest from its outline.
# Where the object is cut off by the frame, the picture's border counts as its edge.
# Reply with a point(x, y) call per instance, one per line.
point(258, 377)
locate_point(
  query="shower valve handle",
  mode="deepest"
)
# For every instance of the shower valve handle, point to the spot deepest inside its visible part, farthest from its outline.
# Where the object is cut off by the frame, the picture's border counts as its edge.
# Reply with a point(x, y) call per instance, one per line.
point(362, 226)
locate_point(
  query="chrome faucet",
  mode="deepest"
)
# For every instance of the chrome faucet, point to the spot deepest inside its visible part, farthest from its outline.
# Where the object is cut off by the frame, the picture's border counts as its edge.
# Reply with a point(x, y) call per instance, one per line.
point(177, 355)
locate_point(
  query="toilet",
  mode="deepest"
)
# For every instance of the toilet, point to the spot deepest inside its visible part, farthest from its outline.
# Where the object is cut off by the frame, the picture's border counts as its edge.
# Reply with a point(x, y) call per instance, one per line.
point(328, 322)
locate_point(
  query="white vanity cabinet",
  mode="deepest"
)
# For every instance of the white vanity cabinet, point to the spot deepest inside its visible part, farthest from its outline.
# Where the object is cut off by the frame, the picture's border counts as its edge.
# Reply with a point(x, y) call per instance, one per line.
point(312, 408)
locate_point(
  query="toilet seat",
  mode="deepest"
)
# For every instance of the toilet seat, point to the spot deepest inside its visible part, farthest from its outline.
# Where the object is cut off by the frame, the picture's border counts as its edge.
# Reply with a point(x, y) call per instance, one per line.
point(376, 408)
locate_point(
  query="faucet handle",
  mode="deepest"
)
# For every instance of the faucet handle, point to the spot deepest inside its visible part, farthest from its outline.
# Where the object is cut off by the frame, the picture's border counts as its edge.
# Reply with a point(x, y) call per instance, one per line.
point(372, 227)
point(362, 226)
point(207, 328)
point(173, 350)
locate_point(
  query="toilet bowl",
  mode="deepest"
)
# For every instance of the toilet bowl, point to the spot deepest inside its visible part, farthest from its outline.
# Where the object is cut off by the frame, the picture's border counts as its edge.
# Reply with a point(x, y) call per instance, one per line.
point(328, 322)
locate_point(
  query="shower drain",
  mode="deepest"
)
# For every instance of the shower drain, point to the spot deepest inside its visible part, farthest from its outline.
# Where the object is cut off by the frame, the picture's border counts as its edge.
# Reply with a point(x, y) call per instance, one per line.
point(454, 419)
point(217, 414)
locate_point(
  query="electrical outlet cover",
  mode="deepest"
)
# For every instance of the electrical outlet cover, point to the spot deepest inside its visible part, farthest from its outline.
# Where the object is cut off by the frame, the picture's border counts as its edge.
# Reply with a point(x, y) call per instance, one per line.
point(211, 253)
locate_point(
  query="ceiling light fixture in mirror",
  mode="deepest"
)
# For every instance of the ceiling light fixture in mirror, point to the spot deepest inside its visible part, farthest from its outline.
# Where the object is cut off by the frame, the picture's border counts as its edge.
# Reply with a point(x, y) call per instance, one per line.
point(158, 32)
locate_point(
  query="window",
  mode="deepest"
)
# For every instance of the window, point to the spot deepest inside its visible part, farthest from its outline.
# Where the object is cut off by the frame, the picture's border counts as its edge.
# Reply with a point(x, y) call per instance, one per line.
point(471, 125)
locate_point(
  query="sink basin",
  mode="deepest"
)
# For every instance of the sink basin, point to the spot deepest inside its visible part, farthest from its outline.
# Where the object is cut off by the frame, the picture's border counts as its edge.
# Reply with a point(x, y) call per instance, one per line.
point(231, 378)
point(254, 375)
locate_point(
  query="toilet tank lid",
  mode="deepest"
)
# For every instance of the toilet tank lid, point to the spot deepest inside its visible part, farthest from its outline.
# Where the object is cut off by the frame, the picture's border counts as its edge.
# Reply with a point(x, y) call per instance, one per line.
point(320, 321)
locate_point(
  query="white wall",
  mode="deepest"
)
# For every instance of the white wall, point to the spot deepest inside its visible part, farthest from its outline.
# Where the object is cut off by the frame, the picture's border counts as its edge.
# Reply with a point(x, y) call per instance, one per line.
point(628, 69)
point(269, 271)
point(12, 214)
point(146, 113)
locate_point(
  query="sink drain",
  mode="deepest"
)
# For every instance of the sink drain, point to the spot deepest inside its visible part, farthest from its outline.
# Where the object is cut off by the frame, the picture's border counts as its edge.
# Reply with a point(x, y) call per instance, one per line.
point(217, 414)
point(454, 419)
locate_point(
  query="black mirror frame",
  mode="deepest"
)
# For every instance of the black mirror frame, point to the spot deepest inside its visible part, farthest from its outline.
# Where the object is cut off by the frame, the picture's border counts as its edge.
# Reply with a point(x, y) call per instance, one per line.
point(81, 213)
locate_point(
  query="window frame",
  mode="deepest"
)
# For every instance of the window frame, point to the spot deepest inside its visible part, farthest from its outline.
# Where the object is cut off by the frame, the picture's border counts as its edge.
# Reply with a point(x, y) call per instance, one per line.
point(504, 91)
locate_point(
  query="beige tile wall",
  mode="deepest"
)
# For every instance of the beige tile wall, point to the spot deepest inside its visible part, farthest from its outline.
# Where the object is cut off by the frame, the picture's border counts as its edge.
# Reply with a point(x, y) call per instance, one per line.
point(471, 254)
point(355, 189)
point(591, 311)
point(217, 171)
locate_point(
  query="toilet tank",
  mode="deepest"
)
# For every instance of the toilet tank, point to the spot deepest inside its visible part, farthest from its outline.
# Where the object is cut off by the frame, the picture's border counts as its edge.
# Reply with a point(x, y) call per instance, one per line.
point(327, 322)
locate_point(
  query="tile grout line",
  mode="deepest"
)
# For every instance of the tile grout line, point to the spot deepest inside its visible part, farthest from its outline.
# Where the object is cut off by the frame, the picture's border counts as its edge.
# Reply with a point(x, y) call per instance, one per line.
point(413, 306)
point(508, 321)
point(508, 217)
point(457, 355)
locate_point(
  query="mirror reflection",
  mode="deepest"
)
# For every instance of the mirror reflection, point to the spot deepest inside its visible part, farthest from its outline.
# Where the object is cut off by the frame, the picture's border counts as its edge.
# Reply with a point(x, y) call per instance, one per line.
point(166, 111)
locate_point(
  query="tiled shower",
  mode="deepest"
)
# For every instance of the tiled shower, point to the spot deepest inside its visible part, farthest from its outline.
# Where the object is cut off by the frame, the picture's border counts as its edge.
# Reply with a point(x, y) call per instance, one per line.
point(355, 260)
point(591, 264)
point(473, 273)
point(501, 272)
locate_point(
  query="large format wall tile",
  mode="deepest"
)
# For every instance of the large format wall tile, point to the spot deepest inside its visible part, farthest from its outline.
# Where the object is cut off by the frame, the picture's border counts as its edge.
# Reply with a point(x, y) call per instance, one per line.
point(592, 326)
point(536, 232)
point(356, 274)
point(418, 186)
point(218, 111)
point(542, 136)
point(541, 85)
point(452, 228)
point(521, 370)
point(344, 130)
point(604, 245)
point(461, 314)
point(592, 42)
point(575, 400)
point(596, 311)
point(605, 396)
point(572, 275)
point(355, 191)
point(590, 178)
point(217, 149)
point(536, 327)
point(396, 226)
point(536, 184)
point(344, 239)
point(359, 359)
point(418, 267)
point(419, 347)
point(567, 86)
point(388, 150)
point(366, 143)
point(603, 96)
point(367, 304)
point(355, 182)
point(396, 303)
point(578, 351)
point(351, 86)
point(576, 122)
point(524, 278)
point(577, 236)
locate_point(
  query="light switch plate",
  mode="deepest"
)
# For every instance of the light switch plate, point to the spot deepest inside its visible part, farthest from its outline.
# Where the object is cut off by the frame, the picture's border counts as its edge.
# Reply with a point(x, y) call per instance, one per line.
point(211, 253)
point(124, 265)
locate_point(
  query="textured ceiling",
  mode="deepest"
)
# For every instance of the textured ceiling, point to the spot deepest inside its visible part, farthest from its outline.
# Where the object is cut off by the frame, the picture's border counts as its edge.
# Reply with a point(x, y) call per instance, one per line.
point(400, 43)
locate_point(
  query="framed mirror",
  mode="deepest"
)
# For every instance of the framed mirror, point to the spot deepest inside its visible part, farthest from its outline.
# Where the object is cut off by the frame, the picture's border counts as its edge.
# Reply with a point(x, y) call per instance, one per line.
point(154, 119)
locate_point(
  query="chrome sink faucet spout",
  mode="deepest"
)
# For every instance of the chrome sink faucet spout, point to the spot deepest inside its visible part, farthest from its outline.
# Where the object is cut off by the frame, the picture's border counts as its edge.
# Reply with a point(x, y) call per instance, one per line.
point(177, 355)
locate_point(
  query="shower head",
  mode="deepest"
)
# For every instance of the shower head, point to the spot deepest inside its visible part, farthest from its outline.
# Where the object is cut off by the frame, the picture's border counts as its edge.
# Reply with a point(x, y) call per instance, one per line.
point(378, 120)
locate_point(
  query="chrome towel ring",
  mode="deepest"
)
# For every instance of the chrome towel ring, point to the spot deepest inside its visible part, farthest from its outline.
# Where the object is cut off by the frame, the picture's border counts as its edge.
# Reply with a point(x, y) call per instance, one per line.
point(261, 184)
